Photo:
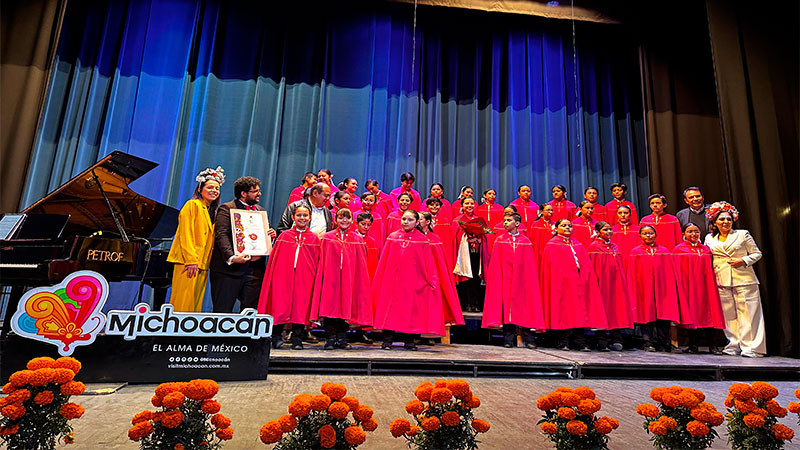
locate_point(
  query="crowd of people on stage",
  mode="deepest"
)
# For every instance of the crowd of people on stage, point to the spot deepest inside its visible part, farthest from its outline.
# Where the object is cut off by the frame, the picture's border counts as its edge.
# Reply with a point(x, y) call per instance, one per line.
point(409, 266)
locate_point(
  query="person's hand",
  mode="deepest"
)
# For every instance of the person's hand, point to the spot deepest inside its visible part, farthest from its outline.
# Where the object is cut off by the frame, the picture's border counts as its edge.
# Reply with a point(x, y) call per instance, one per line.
point(241, 259)
point(271, 232)
point(191, 270)
point(737, 263)
point(254, 258)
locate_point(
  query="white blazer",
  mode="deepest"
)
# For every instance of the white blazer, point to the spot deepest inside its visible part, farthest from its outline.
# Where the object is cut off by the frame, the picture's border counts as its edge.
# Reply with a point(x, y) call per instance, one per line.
point(739, 244)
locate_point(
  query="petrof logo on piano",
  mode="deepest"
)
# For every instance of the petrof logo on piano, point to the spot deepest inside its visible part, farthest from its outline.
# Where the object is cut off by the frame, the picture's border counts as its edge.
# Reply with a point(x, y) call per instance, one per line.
point(104, 255)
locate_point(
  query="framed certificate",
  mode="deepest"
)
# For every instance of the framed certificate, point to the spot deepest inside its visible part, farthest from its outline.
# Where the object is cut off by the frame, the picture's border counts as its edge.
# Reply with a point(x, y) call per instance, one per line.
point(249, 230)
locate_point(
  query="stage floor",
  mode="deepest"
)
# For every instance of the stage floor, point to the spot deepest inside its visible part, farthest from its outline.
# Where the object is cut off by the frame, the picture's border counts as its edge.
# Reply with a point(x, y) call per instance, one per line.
point(494, 361)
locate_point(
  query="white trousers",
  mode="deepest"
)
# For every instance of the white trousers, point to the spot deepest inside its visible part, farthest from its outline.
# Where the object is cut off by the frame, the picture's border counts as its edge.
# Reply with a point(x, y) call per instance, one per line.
point(741, 306)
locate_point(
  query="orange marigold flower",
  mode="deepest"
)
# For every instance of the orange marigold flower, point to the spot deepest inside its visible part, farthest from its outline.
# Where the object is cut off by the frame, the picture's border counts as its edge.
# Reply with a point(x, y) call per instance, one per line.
point(8, 388)
point(141, 417)
point(441, 395)
point(549, 427)
point(13, 412)
point(688, 400)
point(210, 406)
point(577, 427)
point(42, 376)
point(18, 396)
point(668, 422)
point(657, 427)
point(338, 410)
point(71, 411)
point(700, 414)
point(140, 430)
point(545, 403)
point(62, 375)
point(647, 410)
point(413, 431)
point(656, 394)
point(782, 432)
point(8, 431)
point(157, 416)
point(351, 402)
point(430, 423)
point(220, 421)
point(603, 426)
point(41, 362)
point(797, 392)
point(697, 393)
point(201, 389)
point(729, 402)
point(73, 388)
point(570, 399)
point(555, 399)
point(670, 400)
point(20, 378)
point(167, 388)
point(271, 432)
point(354, 435)
point(761, 412)
point(44, 398)
point(172, 419)
point(398, 427)
point(68, 362)
point(745, 406)
point(173, 400)
point(451, 418)
point(775, 409)
point(327, 432)
point(614, 422)
point(423, 391)
point(715, 419)
point(225, 434)
point(459, 388)
point(304, 397)
point(473, 403)
point(415, 407)
point(563, 389)
point(585, 393)
point(156, 401)
point(741, 391)
point(764, 390)
point(370, 424)
point(706, 405)
point(288, 423)
point(794, 407)
point(299, 408)
point(567, 413)
point(324, 387)
point(320, 402)
point(336, 391)
point(589, 406)
point(481, 426)
point(697, 428)
point(363, 413)
point(440, 383)
point(179, 446)
point(753, 420)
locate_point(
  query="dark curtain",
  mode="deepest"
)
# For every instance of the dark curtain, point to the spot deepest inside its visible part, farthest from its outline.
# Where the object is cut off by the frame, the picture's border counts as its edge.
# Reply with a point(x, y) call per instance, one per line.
point(756, 55)
point(28, 29)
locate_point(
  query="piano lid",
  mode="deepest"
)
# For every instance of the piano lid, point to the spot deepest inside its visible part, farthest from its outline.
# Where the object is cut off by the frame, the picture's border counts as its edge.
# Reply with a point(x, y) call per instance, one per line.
point(81, 198)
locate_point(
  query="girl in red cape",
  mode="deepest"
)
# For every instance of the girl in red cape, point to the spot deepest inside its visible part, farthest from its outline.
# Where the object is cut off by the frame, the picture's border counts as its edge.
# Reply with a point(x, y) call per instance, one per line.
point(309, 179)
point(442, 229)
point(700, 305)
point(404, 202)
point(618, 191)
point(513, 296)
point(562, 208)
point(289, 279)
point(626, 234)
point(378, 229)
point(326, 176)
point(445, 212)
point(654, 291)
point(570, 294)
point(490, 211)
point(383, 203)
point(610, 271)
point(526, 207)
point(591, 195)
point(465, 192)
point(341, 286)
point(350, 185)
point(667, 226)
point(340, 200)
point(500, 228)
point(411, 292)
point(583, 226)
point(471, 259)
point(364, 224)
point(541, 231)
point(406, 187)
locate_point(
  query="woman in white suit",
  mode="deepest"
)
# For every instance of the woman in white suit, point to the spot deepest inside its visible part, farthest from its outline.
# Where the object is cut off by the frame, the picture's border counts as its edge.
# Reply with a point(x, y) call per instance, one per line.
point(734, 253)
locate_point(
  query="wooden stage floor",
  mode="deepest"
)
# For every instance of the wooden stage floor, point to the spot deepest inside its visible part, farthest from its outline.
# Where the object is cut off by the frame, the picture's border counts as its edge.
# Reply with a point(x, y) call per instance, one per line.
point(493, 361)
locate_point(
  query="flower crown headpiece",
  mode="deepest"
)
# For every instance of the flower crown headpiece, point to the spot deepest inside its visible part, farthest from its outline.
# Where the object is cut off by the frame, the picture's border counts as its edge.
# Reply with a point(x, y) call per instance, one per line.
point(209, 174)
point(717, 207)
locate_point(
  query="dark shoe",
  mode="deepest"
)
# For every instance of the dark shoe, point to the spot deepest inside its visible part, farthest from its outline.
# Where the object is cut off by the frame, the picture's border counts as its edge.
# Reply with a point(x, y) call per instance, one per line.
point(586, 349)
point(564, 348)
point(297, 346)
point(343, 345)
point(410, 346)
point(649, 348)
point(277, 342)
point(603, 349)
point(386, 346)
point(530, 346)
point(616, 346)
point(507, 345)
point(714, 350)
point(309, 338)
point(366, 340)
point(692, 349)
point(330, 344)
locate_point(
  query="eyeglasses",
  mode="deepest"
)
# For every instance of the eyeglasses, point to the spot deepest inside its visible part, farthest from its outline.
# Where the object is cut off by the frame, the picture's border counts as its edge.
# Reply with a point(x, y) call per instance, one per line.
point(256, 191)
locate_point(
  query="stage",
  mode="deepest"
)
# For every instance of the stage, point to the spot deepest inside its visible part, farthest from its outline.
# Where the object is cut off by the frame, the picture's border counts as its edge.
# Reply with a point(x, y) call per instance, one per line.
point(460, 360)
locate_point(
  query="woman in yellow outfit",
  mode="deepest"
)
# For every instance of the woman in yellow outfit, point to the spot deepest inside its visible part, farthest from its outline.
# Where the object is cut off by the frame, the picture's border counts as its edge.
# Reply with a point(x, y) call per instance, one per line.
point(191, 248)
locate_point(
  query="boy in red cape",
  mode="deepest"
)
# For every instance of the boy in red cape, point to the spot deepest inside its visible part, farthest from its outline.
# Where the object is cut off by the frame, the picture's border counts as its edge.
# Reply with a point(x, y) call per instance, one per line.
point(442, 229)
point(610, 271)
point(583, 226)
point(526, 207)
point(378, 229)
point(591, 195)
point(651, 279)
point(406, 186)
point(412, 292)
point(341, 287)
point(512, 291)
point(700, 305)
point(445, 212)
point(404, 202)
point(618, 191)
point(383, 203)
point(626, 234)
point(562, 208)
point(541, 231)
point(363, 226)
point(490, 211)
point(667, 226)
point(570, 293)
point(289, 279)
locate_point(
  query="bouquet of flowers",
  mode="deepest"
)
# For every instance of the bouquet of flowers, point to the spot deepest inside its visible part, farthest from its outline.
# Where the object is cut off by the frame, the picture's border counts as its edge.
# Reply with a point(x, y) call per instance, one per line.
point(37, 409)
point(794, 407)
point(443, 416)
point(569, 419)
point(476, 227)
point(683, 419)
point(753, 417)
point(320, 421)
point(189, 418)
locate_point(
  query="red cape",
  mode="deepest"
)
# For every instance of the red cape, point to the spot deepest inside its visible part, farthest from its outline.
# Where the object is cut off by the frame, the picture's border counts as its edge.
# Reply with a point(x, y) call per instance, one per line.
point(627, 238)
point(393, 221)
point(582, 230)
point(668, 229)
point(600, 212)
point(611, 210)
point(287, 289)
point(529, 210)
point(458, 232)
point(512, 285)
point(491, 214)
point(500, 229)
point(297, 194)
point(383, 204)
point(564, 209)
point(445, 212)
point(540, 234)
point(610, 271)
point(446, 277)
point(373, 252)
point(571, 298)
point(416, 203)
point(651, 279)
point(410, 293)
point(444, 232)
point(342, 284)
point(378, 229)
point(355, 203)
point(697, 287)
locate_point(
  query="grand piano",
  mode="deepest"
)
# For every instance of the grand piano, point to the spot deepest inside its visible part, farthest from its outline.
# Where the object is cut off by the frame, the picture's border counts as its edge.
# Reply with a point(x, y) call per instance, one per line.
point(94, 221)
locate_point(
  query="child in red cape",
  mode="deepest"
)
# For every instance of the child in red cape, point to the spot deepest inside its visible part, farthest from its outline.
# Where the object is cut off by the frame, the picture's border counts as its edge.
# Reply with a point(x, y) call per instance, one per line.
point(541, 231)
point(289, 279)
point(350, 185)
point(378, 229)
point(406, 187)
point(526, 207)
point(591, 195)
point(610, 271)
point(490, 211)
point(654, 291)
point(464, 192)
point(471, 259)
point(700, 305)
point(513, 298)
point(562, 208)
point(443, 230)
point(383, 202)
point(618, 191)
point(500, 228)
point(364, 224)
point(404, 202)
point(445, 212)
point(341, 286)
point(626, 234)
point(409, 292)
point(309, 179)
point(667, 226)
point(583, 226)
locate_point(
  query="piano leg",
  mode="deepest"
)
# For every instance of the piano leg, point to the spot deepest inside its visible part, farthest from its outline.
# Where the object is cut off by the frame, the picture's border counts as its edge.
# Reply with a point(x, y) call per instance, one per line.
point(13, 301)
point(159, 297)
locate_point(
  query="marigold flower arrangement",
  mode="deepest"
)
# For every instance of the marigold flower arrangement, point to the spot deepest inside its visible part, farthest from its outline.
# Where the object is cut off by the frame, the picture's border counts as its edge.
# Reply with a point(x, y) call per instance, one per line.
point(570, 422)
point(189, 418)
point(321, 421)
point(36, 410)
point(753, 417)
point(794, 407)
point(443, 412)
point(682, 419)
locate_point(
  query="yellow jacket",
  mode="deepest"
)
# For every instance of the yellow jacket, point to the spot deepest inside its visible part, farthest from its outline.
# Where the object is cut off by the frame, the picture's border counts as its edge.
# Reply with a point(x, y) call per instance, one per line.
point(194, 239)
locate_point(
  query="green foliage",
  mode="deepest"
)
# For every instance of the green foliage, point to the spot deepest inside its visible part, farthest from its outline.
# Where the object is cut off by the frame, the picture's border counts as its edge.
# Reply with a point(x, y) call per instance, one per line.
point(459, 437)
point(743, 437)
point(564, 440)
point(305, 435)
point(194, 433)
point(679, 437)
point(42, 426)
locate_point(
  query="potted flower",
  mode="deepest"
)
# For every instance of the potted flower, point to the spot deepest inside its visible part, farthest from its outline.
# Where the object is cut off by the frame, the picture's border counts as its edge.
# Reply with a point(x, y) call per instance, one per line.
point(681, 420)
point(570, 422)
point(753, 417)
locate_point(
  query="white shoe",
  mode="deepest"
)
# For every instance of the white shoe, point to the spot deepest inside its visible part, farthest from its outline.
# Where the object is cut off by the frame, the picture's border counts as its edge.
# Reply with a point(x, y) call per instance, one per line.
point(752, 355)
point(731, 352)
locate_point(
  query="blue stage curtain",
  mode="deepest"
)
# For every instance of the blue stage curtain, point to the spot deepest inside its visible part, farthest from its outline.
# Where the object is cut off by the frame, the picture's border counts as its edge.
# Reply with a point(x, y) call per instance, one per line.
point(273, 91)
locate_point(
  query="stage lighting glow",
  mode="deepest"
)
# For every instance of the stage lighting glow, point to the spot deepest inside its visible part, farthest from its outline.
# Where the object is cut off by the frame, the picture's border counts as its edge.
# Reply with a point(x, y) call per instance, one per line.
point(552, 3)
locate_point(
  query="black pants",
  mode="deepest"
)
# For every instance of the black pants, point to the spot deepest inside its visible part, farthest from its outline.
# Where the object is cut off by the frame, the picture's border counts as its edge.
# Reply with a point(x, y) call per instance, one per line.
point(389, 335)
point(703, 336)
point(510, 335)
point(608, 337)
point(225, 290)
point(656, 333)
point(335, 327)
point(471, 292)
point(574, 337)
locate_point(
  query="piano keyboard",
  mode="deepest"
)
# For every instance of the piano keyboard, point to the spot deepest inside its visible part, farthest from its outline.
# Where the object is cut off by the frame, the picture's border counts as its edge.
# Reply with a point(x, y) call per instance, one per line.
point(19, 266)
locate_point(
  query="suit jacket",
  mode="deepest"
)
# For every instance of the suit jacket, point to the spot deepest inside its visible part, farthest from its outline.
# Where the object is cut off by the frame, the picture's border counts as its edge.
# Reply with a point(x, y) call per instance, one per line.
point(223, 244)
point(195, 236)
point(287, 221)
point(685, 216)
point(739, 244)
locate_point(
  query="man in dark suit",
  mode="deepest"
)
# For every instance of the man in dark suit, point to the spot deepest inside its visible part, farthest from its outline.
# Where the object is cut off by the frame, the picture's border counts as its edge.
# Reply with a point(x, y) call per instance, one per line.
point(236, 277)
point(696, 212)
point(321, 218)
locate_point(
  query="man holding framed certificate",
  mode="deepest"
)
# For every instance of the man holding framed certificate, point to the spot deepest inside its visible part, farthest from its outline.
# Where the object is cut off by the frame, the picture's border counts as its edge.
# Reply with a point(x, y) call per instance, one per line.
point(242, 240)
